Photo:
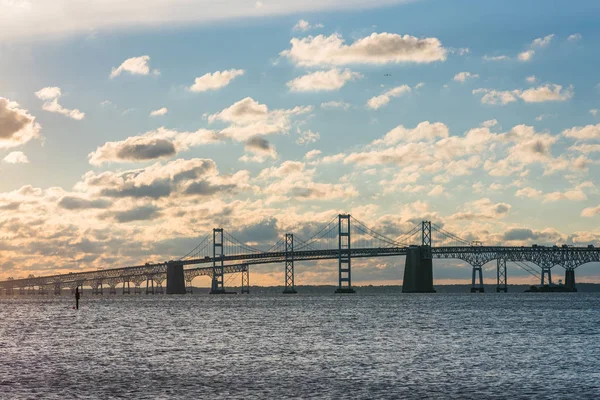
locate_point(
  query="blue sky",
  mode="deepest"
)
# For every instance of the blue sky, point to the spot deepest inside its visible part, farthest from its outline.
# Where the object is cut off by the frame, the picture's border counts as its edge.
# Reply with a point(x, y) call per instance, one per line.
point(294, 122)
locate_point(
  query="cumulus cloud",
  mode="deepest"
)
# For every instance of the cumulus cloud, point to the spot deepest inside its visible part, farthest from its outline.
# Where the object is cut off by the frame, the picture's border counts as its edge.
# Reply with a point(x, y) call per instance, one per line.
point(588, 132)
point(178, 178)
point(17, 126)
point(482, 209)
point(423, 131)
point(215, 80)
point(161, 143)
point(248, 118)
point(159, 112)
point(261, 147)
point(495, 58)
point(134, 66)
point(383, 99)
point(143, 213)
point(335, 104)
point(378, 48)
point(548, 92)
point(51, 95)
point(527, 55)
point(334, 79)
point(307, 136)
point(590, 211)
point(81, 203)
point(303, 26)
point(531, 79)
point(574, 37)
point(15, 157)
point(462, 77)
point(594, 111)
point(528, 192)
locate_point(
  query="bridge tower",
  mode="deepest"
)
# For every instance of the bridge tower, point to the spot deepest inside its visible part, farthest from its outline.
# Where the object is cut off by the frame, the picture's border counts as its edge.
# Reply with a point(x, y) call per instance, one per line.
point(344, 255)
point(175, 278)
point(501, 275)
point(290, 287)
point(477, 276)
point(217, 286)
point(418, 267)
point(245, 279)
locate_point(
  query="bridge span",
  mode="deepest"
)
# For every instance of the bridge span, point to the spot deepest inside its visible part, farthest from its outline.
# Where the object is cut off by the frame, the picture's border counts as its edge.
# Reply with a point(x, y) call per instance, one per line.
point(343, 238)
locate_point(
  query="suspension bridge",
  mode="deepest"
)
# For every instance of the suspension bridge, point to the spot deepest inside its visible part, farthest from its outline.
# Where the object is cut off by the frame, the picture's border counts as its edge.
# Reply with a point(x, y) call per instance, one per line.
point(343, 238)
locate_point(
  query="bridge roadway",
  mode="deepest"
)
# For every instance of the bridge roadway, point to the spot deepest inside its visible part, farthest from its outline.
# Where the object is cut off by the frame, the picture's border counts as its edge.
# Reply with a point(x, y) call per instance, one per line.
point(477, 256)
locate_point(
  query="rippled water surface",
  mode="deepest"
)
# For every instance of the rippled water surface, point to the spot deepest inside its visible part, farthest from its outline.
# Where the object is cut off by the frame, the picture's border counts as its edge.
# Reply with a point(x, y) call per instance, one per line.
point(503, 346)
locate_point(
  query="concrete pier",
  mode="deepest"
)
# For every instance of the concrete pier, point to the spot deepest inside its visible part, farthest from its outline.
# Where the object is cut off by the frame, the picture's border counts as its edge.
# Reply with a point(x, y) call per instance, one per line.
point(175, 278)
point(570, 279)
point(418, 272)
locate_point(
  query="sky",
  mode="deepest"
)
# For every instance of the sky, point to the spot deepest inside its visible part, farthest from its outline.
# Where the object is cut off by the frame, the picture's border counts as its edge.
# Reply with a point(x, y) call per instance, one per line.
point(129, 130)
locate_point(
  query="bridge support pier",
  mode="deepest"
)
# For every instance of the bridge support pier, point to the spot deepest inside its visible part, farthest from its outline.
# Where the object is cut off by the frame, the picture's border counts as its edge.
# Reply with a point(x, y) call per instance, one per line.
point(188, 286)
point(128, 290)
point(570, 279)
point(344, 255)
point(501, 275)
point(418, 272)
point(546, 271)
point(246, 280)
point(175, 278)
point(217, 286)
point(290, 287)
point(149, 289)
point(477, 273)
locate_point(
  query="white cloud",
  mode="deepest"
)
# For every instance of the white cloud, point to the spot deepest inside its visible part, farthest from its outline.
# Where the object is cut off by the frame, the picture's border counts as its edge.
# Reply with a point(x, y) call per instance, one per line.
point(384, 98)
point(586, 148)
point(542, 42)
point(16, 157)
point(307, 136)
point(495, 58)
point(335, 104)
point(32, 20)
point(590, 211)
point(51, 96)
point(549, 92)
point(587, 132)
point(304, 26)
point(574, 37)
point(249, 118)
point(463, 76)
point(135, 66)
point(215, 80)
point(161, 143)
point(424, 131)
point(528, 192)
point(531, 79)
point(526, 55)
point(437, 190)
point(17, 126)
point(594, 112)
point(378, 48)
point(312, 154)
point(419, 85)
point(159, 112)
point(334, 79)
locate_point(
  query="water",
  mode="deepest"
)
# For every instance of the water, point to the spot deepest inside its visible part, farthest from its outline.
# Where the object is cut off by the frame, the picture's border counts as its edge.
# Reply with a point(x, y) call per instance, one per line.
point(492, 346)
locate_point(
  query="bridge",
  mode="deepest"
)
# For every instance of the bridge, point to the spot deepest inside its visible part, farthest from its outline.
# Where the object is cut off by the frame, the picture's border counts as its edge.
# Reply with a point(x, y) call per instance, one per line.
point(343, 238)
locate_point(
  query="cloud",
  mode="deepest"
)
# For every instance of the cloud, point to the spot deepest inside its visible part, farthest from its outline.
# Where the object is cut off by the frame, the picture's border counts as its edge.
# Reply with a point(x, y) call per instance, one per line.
point(261, 147)
point(17, 126)
point(159, 112)
point(152, 145)
point(157, 181)
point(32, 19)
point(248, 118)
point(482, 209)
point(143, 213)
point(80, 203)
point(377, 49)
point(590, 211)
point(307, 137)
point(383, 99)
point(51, 95)
point(531, 79)
point(528, 192)
point(334, 79)
point(215, 80)
point(16, 157)
point(303, 26)
point(549, 92)
point(135, 66)
point(537, 43)
point(594, 112)
point(495, 58)
point(574, 37)
point(463, 76)
point(588, 132)
point(423, 131)
point(335, 104)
